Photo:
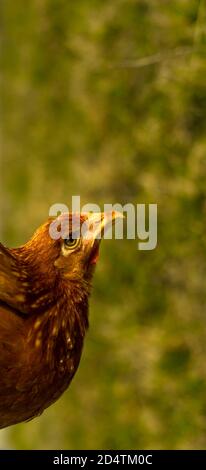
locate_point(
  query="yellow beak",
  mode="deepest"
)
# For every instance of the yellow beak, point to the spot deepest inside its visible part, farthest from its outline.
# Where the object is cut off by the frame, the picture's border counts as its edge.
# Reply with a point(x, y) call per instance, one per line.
point(99, 222)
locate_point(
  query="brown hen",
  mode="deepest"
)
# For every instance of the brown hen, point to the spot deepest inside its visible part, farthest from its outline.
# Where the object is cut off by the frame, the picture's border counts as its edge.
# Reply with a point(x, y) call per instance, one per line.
point(44, 290)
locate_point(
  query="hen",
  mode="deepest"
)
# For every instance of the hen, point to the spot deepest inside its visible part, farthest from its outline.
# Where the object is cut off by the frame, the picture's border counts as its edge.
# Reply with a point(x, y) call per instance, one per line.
point(44, 290)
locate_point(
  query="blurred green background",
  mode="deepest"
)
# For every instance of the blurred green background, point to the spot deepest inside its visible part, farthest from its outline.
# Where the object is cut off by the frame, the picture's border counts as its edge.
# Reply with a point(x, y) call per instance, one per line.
point(107, 99)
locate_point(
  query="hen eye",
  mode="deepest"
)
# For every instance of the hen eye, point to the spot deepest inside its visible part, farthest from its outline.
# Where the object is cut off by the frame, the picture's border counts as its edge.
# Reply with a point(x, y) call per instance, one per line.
point(71, 243)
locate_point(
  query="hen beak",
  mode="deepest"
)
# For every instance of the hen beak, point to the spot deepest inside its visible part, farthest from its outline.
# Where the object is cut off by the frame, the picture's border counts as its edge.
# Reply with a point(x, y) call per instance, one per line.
point(98, 223)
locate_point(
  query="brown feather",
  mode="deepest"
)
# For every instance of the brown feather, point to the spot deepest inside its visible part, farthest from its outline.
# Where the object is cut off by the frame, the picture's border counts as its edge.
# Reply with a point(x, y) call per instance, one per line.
point(43, 320)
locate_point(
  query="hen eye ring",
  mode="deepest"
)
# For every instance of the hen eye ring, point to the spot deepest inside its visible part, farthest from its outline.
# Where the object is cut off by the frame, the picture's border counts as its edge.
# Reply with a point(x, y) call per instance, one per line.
point(71, 243)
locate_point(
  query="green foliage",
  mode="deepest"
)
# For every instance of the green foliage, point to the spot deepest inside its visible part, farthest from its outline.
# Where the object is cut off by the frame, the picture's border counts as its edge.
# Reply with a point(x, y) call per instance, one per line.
point(83, 114)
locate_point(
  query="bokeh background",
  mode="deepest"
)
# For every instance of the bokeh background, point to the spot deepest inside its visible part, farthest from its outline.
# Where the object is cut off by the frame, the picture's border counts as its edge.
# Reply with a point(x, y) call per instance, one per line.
point(107, 100)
